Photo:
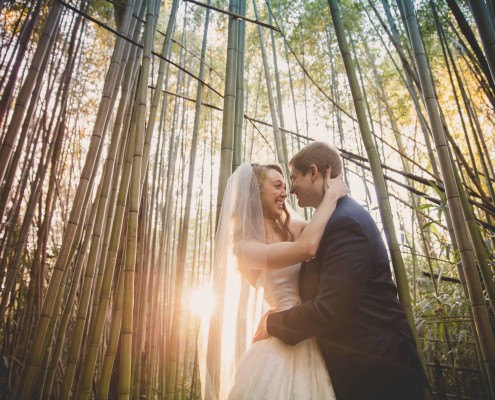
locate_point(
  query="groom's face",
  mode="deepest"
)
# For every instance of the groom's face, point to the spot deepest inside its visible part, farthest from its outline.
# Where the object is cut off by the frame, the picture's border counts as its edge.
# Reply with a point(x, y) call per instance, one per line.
point(302, 187)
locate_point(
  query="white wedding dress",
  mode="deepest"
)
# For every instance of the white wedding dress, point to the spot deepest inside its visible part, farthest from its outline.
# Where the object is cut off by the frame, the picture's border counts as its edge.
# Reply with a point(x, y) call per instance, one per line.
point(272, 370)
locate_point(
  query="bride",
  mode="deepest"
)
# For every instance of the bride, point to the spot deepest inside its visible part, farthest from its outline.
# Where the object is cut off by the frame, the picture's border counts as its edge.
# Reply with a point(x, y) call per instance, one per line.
point(259, 248)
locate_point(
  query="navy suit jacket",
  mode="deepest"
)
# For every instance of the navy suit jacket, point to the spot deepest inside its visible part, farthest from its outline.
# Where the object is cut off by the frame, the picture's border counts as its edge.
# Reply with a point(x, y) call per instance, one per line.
point(349, 303)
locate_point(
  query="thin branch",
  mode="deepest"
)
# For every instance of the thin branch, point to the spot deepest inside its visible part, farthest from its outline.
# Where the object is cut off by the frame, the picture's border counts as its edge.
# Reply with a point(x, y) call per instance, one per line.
point(108, 28)
point(234, 15)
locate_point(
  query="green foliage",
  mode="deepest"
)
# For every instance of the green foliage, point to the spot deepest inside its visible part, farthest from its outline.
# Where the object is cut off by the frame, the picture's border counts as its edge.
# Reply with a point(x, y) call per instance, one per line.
point(105, 10)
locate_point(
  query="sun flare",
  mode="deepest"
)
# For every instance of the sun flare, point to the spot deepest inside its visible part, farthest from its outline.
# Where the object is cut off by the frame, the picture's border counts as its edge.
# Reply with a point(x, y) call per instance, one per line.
point(201, 301)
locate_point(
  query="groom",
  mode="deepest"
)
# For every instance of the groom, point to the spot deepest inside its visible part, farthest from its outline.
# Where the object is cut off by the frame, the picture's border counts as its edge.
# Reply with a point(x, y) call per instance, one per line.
point(349, 301)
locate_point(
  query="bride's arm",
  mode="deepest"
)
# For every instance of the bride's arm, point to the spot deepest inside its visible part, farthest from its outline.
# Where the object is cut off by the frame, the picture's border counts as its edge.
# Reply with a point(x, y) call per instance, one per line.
point(283, 254)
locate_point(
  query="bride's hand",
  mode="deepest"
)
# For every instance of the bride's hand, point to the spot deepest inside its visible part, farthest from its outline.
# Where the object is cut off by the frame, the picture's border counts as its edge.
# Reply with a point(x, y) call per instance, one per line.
point(336, 187)
point(262, 332)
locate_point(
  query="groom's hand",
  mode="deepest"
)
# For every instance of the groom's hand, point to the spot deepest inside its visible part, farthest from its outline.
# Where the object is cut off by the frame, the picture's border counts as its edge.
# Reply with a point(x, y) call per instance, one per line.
point(261, 332)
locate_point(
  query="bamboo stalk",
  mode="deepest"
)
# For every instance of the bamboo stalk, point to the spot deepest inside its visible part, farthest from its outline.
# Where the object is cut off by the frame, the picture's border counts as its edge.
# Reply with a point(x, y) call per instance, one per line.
point(227, 145)
point(34, 361)
point(487, 341)
point(44, 46)
point(125, 372)
point(109, 262)
point(486, 30)
point(239, 96)
point(376, 170)
point(275, 123)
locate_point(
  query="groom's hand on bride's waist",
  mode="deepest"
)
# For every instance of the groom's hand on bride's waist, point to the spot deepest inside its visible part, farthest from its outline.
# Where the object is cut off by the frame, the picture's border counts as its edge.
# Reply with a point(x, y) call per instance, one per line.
point(261, 332)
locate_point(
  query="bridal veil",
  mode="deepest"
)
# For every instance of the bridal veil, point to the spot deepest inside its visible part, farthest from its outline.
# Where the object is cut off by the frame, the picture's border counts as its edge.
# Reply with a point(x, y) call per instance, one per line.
point(239, 305)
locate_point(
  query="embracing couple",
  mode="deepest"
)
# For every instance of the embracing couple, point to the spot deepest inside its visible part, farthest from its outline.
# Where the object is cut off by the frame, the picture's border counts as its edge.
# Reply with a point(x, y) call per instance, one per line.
point(335, 328)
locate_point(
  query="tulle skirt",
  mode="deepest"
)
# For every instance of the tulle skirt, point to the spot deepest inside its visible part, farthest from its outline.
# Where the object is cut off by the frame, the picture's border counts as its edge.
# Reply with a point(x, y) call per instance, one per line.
point(272, 370)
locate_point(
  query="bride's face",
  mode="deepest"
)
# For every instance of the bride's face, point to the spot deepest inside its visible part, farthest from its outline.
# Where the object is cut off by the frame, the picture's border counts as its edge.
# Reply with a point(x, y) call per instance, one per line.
point(273, 193)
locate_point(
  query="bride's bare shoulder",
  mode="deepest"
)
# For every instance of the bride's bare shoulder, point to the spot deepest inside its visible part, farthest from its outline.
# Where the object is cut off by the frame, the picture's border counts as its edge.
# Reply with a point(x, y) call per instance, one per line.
point(297, 225)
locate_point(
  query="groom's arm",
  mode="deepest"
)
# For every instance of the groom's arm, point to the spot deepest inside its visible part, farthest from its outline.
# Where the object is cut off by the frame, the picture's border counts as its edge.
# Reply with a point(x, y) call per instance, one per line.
point(345, 269)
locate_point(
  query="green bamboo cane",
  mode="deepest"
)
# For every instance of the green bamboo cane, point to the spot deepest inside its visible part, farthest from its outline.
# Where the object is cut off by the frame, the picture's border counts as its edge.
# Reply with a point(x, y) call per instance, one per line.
point(92, 265)
point(148, 311)
point(57, 126)
point(305, 89)
point(116, 256)
point(163, 292)
point(32, 366)
point(109, 268)
point(78, 232)
point(226, 156)
point(28, 320)
point(15, 264)
point(277, 85)
point(335, 91)
point(44, 45)
point(486, 30)
point(456, 149)
point(195, 282)
point(113, 341)
point(114, 225)
point(67, 312)
point(184, 233)
point(424, 232)
point(471, 114)
point(155, 362)
point(125, 372)
point(481, 143)
point(484, 330)
point(173, 359)
point(239, 97)
point(410, 77)
point(52, 323)
point(172, 207)
point(227, 144)
point(291, 84)
point(146, 261)
point(476, 55)
point(276, 130)
point(479, 247)
point(375, 164)
point(424, 128)
point(413, 94)
point(167, 46)
point(23, 45)
point(177, 321)
point(150, 321)
point(169, 288)
point(141, 294)
point(121, 124)
point(25, 139)
point(426, 135)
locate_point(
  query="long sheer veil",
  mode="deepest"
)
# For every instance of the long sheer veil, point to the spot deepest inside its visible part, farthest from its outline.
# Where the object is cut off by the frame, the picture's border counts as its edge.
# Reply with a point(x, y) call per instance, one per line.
point(239, 305)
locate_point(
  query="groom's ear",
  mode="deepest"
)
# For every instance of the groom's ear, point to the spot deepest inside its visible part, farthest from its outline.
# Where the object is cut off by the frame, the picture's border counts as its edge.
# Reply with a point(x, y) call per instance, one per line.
point(313, 170)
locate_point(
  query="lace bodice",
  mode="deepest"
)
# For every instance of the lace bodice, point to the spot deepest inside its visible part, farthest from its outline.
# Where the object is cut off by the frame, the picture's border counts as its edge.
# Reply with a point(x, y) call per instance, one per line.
point(282, 287)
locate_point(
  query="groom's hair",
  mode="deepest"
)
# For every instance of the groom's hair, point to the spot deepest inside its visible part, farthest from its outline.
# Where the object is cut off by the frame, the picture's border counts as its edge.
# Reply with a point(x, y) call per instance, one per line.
point(320, 154)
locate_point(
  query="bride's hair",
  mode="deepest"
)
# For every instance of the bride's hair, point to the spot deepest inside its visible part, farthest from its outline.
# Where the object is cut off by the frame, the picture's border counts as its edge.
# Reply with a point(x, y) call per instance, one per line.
point(281, 225)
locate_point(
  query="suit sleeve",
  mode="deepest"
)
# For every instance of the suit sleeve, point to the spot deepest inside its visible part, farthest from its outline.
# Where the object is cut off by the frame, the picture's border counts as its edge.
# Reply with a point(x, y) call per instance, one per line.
point(346, 266)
